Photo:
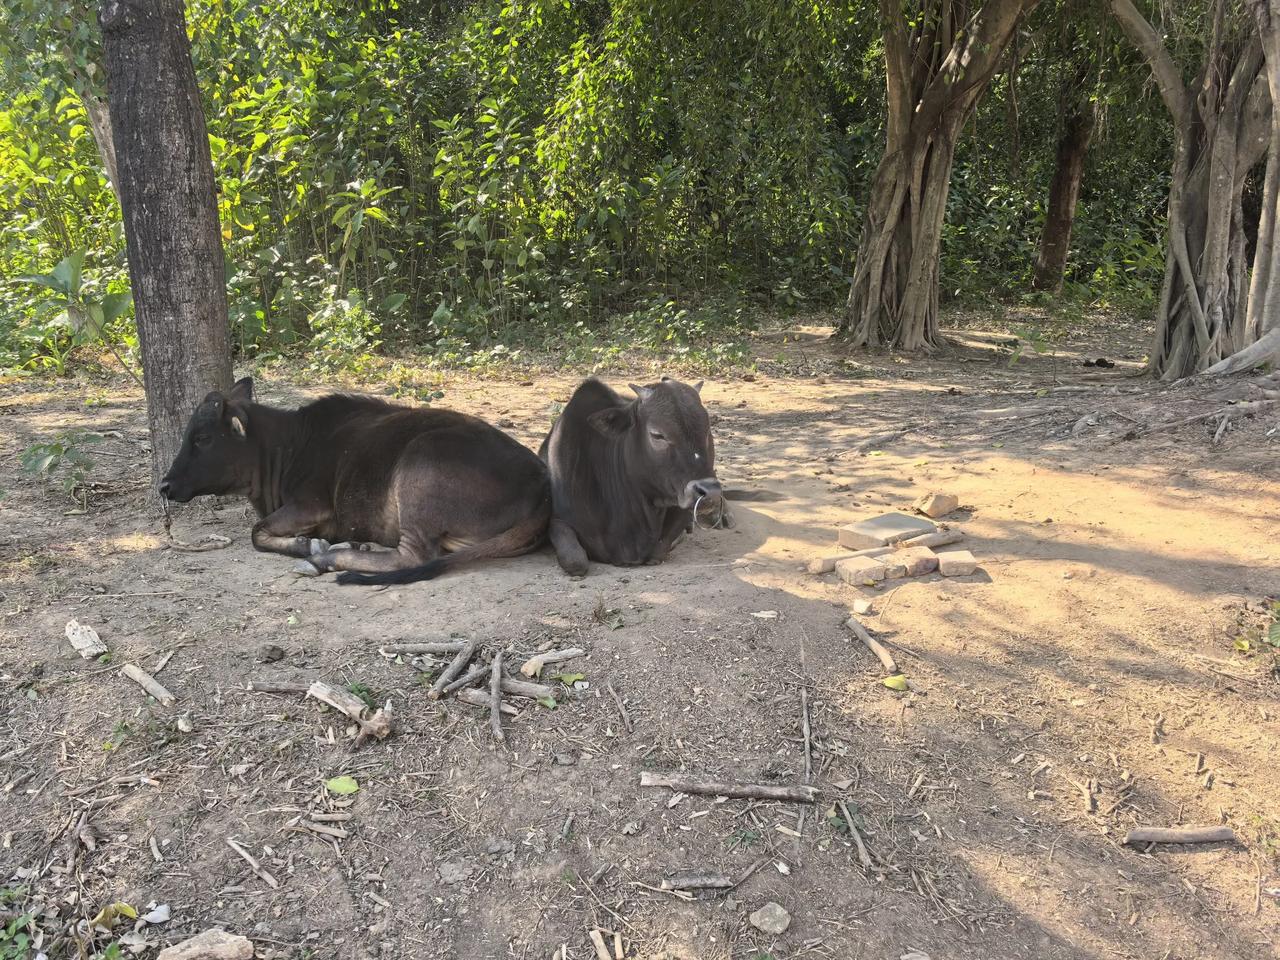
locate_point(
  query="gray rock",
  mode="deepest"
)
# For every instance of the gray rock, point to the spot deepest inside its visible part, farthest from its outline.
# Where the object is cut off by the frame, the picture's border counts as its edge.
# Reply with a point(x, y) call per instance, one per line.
point(883, 530)
point(455, 871)
point(771, 918)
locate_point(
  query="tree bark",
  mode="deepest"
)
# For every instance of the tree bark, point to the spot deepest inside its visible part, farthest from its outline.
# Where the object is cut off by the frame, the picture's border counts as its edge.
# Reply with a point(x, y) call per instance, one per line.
point(1223, 125)
point(939, 58)
point(166, 189)
point(1064, 194)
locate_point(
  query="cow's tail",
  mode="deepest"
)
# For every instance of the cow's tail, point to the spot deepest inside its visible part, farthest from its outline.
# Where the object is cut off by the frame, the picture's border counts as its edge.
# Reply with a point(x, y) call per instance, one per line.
point(525, 536)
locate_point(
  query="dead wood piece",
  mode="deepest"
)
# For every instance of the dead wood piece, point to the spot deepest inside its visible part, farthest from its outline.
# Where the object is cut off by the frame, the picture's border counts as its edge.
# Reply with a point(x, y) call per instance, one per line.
point(480, 698)
point(808, 734)
point(719, 788)
point(215, 944)
point(148, 683)
point(454, 668)
point(85, 639)
point(325, 830)
point(597, 941)
point(467, 679)
point(864, 858)
point(622, 710)
point(1179, 835)
point(533, 666)
point(267, 685)
point(871, 643)
point(697, 880)
point(210, 541)
point(527, 689)
point(377, 724)
point(495, 699)
point(447, 646)
point(254, 864)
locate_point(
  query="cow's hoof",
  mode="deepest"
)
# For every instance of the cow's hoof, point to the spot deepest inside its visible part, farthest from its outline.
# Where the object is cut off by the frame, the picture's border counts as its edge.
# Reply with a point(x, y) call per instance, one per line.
point(305, 568)
point(344, 545)
point(319, 546)
point(727, 521)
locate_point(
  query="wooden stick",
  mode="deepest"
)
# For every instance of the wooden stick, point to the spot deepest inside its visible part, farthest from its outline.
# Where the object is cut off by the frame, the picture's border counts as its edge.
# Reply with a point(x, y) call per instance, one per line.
point(808, 734)
point(478, 698)
point(871, 643)
point(527, 689)
point(626, 720)
point(452, 670)
point(257, 867)
point(377, 724)
point(864, 858)
point(148, 683)
point(597, 941)
point(495, 699)
point(697, 880)
point(533, 666)
point(1179, 835)
point(468, 678)
point(449, 646)
point(717, 788)
point(280, 686)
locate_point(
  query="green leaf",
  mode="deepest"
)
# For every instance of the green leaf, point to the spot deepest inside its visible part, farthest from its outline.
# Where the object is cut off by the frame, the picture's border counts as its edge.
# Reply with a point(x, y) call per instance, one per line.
point(896, 682)
point(342, 786)
point(114, 305)
point(393, 302)
point(1273, 634)
point(68, 273)
point(548, 702)
point(569, 679)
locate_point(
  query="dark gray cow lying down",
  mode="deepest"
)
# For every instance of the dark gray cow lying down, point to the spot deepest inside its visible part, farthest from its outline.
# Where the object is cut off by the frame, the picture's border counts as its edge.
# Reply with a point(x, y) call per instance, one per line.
point(413, 492)
point(627, 475)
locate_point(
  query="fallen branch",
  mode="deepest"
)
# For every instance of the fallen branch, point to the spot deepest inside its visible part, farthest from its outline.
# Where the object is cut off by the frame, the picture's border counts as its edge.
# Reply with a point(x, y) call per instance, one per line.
point(622, 710)
point(257, 867)
point(864, 858)
point(467, 679)
point(527, 689)
point(697, 880)
point(716, 788)
point(808, 734)
point(1232, 410)
point(267, 685)
point(377, 724)
point(478, 698)
point(148, 683)
point(871, 643)
point(533, 666)
point(495, 699)
point(1179, 835)
point(210, 541)
point(448, 646)
point(597, 941)
point(454, 668)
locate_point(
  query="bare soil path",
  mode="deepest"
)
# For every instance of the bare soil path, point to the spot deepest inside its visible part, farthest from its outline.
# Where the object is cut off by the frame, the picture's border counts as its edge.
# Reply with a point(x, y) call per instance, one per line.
point(1096, 649)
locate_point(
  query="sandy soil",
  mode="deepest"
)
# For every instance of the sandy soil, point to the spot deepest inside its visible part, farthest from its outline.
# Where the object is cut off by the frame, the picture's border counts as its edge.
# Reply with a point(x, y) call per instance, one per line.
point(1094, 651)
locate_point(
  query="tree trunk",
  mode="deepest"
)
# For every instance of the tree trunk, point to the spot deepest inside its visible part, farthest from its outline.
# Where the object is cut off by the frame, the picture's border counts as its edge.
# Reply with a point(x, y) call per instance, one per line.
point(170, 211)
point(939, 58)
point(1223, 125)
point(1064, 194)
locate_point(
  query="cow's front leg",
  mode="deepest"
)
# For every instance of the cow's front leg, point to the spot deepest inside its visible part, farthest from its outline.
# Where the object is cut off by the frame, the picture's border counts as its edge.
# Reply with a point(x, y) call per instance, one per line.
point(288, 531)
point(569, 553)
point(674, 526)
point(369, 557)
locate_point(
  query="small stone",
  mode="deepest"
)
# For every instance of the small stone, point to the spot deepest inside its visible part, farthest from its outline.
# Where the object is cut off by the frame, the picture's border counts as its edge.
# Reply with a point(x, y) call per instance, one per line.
point(894, 569)
point(771, 918)
point(566, 759)
point(455, 871)
point(270, 653)
point(184, 724)
point(213, 944)
point(861, 606)
point(937, 504)
point(882, 531)
point(860, 570)
point(956, 563)
point(917, 560)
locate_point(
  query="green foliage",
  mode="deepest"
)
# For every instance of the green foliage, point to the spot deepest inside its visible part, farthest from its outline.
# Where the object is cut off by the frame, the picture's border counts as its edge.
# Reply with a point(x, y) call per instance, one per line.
point(583, 177)
point(15, 938)
point(63, 458)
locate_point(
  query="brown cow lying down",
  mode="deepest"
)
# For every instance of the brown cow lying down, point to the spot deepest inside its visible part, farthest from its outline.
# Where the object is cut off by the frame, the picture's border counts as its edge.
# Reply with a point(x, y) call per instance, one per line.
point(626, 476)
point(402, 486)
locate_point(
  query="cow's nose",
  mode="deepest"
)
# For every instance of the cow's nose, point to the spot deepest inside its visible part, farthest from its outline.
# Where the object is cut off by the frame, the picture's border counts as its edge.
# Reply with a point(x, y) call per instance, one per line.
point(164, 489)
point(707, 488)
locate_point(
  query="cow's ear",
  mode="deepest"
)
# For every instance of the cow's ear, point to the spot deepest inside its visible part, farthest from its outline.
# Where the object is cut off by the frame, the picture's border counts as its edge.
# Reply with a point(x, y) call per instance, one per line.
point(697, 387)
point(242, 392)
point(642, 392)
point(614, 421)
point(237, 424)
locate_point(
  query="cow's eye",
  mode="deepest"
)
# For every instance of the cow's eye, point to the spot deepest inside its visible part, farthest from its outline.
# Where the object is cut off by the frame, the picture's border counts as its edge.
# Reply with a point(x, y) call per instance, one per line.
point(655, 435)
point(202, 440)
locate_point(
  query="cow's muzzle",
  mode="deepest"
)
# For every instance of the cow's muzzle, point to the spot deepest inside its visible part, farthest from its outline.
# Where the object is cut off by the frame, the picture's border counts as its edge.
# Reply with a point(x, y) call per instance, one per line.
point(707, 488)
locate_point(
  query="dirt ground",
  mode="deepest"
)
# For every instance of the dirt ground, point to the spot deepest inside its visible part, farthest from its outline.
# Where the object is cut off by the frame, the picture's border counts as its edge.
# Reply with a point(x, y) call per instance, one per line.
point(1094, 651)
